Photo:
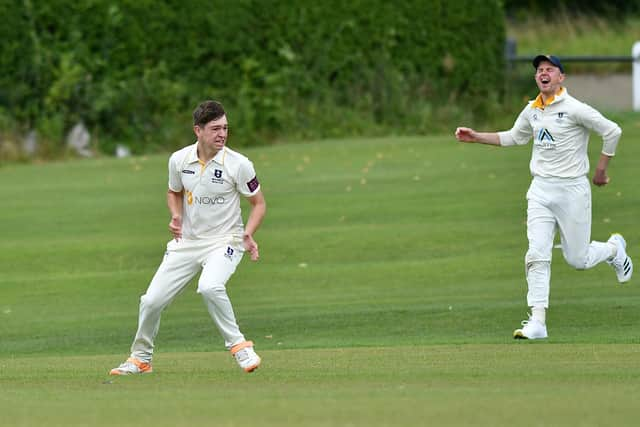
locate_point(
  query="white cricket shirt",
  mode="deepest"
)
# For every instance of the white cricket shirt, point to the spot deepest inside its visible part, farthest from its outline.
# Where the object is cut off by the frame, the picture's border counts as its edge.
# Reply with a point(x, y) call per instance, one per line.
point(211, 202)
point(560, 132)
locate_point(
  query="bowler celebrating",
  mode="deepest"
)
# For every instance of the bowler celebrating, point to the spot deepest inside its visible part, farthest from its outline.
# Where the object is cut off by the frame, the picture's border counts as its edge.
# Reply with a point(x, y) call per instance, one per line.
point(559, 198)
point(206, 180)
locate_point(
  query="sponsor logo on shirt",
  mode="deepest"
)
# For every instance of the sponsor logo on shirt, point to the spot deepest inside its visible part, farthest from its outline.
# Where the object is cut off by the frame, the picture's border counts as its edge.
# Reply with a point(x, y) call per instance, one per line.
point(190, 172)
point(545, 140)
point(253, 184)
point(204, 200)
point(560, 117)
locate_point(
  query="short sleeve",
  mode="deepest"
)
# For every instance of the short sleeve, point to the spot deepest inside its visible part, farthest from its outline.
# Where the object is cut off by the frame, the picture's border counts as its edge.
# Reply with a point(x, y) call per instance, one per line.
point(175, 180)
point(247, 182)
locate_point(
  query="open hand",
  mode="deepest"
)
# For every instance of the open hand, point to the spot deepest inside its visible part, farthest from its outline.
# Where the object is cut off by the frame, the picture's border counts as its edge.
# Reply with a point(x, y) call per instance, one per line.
point(251, 246)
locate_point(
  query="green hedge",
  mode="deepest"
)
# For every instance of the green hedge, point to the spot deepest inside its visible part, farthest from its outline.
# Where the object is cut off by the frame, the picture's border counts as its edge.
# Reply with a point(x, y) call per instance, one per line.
point(133, 70)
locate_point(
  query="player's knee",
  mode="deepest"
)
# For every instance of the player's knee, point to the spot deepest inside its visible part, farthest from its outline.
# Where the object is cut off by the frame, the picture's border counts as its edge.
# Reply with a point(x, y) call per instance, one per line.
point(151, 303)
point(213, 291)
point(576, 261)
point(534, 255)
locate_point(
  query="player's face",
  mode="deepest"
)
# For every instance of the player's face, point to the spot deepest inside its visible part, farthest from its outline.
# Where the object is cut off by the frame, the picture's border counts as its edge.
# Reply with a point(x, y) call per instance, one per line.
point(548, 78)
point(213, 134)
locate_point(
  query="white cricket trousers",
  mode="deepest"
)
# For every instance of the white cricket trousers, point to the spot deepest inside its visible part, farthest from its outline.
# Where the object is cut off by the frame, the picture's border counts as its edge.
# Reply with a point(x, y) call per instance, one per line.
point(182, 261)
point(565, 205)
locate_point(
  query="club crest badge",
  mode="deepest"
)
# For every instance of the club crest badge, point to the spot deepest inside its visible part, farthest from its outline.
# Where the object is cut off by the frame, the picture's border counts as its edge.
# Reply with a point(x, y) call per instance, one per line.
point(217, 177)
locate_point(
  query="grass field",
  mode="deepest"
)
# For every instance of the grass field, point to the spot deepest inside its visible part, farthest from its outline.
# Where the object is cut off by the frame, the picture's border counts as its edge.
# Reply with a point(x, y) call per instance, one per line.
point(575, 35)
point(390, 282)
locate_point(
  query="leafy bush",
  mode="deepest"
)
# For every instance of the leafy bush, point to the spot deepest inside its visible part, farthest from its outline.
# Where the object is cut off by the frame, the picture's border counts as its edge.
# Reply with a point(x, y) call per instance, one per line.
point(133, 70)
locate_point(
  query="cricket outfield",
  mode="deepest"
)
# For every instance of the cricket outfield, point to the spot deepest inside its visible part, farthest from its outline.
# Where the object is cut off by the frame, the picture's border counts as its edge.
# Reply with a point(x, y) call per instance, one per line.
point(390, 281)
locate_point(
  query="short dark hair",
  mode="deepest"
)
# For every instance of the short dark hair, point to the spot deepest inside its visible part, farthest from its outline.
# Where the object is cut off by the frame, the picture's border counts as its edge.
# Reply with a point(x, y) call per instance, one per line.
point(207, 111)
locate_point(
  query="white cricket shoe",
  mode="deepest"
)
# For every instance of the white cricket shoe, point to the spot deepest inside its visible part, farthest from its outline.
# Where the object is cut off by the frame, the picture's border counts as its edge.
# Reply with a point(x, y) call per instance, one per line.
point(531, 330)
point(245, 356)
point(132, 366)
point(621, 263)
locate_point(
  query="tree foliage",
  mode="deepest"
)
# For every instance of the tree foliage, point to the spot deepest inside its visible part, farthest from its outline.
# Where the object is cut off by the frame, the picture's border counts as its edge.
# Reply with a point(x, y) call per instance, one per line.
point(134, 69)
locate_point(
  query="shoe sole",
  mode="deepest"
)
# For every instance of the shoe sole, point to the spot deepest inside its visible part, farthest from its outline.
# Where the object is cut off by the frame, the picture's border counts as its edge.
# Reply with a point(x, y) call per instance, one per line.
point(253, 367)
point(116, 372)
point(518, 335)
point(143, 368)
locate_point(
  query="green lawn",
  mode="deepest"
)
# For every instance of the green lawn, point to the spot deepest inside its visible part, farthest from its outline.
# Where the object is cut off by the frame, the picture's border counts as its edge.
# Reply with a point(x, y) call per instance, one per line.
point(390, 281)
point(574, 35)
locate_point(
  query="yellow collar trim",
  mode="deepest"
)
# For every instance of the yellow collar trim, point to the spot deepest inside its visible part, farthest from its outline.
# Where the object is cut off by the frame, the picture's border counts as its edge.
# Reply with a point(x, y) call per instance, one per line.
point(539, 103)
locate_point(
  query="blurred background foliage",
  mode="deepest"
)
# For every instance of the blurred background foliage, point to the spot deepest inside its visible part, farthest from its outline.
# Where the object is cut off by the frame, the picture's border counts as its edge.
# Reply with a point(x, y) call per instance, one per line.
point(133, 70)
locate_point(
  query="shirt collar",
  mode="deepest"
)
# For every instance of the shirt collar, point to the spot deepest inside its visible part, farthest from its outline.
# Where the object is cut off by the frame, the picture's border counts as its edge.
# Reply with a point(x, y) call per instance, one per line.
point(218, 158)
point(220, 155)
point(192, 157)
point(538, 103)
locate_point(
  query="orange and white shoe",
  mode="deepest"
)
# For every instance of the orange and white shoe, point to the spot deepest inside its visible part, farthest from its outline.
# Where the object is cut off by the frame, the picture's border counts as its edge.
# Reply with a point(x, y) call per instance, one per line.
point(132, 366)
point(245, 356)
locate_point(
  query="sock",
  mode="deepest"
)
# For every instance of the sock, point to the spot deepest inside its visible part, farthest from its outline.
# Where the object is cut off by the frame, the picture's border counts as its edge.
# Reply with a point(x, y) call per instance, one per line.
point(539, 314)
point(614, 251)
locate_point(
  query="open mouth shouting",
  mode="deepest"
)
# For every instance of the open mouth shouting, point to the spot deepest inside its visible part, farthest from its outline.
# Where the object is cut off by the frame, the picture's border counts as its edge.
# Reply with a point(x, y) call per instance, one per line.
point(546, 83)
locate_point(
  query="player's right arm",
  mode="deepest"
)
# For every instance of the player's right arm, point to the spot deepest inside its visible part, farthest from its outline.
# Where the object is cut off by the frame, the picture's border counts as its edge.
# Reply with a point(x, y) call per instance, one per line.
point(175, 195)
point(174, 202)
point(519, 134)
point(469, 135)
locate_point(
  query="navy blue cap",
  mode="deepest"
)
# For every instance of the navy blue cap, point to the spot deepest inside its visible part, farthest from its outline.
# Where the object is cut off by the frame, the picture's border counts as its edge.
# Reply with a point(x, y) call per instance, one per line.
point(552, 59)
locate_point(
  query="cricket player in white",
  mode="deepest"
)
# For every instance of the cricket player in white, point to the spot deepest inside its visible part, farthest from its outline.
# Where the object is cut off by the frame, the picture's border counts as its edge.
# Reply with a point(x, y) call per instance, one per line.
point(206, 180)
point(559, 197)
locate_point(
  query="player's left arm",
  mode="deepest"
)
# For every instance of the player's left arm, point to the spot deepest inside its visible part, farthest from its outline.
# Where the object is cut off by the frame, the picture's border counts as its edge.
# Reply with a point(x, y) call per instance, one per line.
point(249, 186)
point(609, 131)
point(600, 176)
point(258, 211)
